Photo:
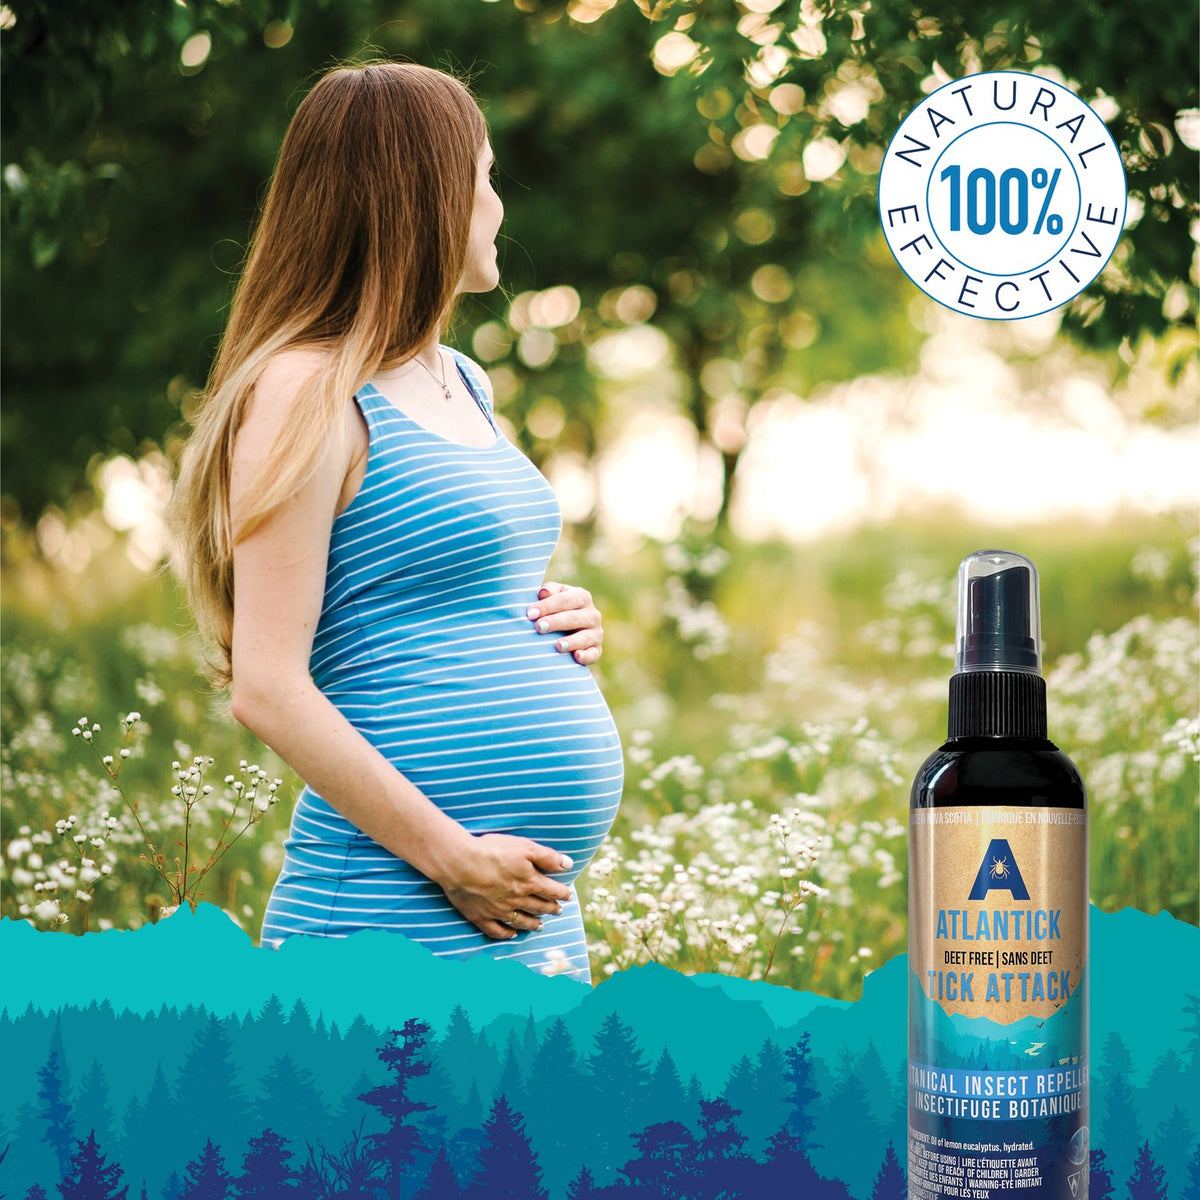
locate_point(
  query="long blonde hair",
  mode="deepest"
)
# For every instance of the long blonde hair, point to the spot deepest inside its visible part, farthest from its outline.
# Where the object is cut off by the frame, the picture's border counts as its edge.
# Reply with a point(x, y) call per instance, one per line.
point(358, 252)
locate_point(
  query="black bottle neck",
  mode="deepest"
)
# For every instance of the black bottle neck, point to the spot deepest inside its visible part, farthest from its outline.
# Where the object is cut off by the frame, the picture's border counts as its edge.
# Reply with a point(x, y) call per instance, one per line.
point(1009, 704)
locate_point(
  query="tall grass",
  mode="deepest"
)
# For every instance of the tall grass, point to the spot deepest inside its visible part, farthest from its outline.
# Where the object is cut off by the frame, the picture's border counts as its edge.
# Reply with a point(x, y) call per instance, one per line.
point(774, 703)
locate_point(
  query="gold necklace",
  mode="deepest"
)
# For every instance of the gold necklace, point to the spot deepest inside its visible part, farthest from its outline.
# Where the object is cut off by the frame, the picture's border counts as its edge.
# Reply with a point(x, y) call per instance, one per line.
point(441, 382)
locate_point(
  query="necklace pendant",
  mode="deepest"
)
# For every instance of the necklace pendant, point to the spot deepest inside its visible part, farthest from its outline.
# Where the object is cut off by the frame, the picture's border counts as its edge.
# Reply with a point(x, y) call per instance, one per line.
point(447, 391)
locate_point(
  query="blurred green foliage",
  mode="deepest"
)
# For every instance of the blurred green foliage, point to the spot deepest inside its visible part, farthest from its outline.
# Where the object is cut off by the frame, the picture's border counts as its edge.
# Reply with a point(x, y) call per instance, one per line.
point(139, 135)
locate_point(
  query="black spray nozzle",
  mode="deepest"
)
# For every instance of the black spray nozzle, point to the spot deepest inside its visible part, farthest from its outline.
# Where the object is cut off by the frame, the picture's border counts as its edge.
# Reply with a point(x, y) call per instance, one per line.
point(999, 627)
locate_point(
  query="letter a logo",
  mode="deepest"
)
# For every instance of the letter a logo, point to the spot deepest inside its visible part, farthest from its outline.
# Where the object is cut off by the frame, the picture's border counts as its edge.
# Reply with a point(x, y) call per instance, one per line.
point(999, 870)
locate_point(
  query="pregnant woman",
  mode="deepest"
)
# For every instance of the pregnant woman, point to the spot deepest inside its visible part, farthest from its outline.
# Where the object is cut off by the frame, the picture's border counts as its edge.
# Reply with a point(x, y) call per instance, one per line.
point(367, 551)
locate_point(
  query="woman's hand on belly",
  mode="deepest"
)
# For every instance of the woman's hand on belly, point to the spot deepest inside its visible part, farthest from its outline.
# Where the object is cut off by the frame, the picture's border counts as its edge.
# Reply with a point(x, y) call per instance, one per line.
point(562, 608)
point(499, 884)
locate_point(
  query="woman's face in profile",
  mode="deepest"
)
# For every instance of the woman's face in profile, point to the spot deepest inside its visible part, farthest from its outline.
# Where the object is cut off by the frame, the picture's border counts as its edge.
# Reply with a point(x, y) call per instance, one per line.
point(482, 273)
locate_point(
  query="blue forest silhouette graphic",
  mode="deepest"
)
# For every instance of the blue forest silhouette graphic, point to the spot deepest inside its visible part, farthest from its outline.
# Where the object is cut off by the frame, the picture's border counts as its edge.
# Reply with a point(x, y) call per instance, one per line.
point(653, 1086)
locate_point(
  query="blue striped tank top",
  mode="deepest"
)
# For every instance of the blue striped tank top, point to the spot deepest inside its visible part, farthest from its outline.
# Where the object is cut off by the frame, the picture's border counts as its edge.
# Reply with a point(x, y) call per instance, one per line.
point(423, 644)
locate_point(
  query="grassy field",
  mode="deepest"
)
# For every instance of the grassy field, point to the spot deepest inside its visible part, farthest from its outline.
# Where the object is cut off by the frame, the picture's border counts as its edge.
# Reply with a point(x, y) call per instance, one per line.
point(774, 702)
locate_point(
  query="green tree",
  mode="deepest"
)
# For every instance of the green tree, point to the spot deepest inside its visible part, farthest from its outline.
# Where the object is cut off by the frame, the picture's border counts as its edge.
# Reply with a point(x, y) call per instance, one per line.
point(129, 165)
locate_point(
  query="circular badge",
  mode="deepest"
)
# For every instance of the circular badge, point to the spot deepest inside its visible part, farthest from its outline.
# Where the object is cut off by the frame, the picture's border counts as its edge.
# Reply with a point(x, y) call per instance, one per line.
point(1002, 195)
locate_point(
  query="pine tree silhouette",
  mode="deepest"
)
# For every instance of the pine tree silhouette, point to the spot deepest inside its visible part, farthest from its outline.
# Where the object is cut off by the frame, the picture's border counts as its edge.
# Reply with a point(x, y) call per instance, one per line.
point(485, 1065)
point(28, 1155)
point(530, 1043)
point(266, 1169)
point(400, 1142)
point(583, 1186)
point(92, 1105)
point(466, 1151)
point(846, 1125)
point(168, 1149)
point(91, 1176)
point(456, 1049)
point(205, 1177)
point(37, 1192)
point(1172, 1143)
point(1146, 1182)
point(1118, 1131)
point(788, 1172)
point(888, 1106)
point(173, 1187)
point(511, 1083)
point(692, 1095)
point(270, 1020)
point(724, 1162)
point(472, 1107)
point(801, 1092)
point(666, 1165)
point(665, 1096)
point(212, 1103)
point(890, 1183)
point(741, 1091)
point(1100, 1184)
point(615, 1097)
point(299, 1022)
point(508, 1167)
point(769, 1109)
point(441, 1183)
point(1164, 1090)
point(54, 1107)
point(560, 1143)
point(351, 1112)
point(289, 1099)
point(1191, 1185)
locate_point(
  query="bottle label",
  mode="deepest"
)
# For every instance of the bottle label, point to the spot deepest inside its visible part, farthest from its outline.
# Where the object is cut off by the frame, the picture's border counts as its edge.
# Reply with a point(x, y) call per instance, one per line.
point(997, 1073)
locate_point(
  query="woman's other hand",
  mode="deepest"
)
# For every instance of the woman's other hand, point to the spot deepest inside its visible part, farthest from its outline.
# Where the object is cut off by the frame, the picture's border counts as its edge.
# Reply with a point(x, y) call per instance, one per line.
point(561, 608)
point(502, 884)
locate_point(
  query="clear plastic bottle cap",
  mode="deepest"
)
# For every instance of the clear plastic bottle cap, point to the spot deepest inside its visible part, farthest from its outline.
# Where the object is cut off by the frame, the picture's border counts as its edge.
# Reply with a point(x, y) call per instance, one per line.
point(999, 615)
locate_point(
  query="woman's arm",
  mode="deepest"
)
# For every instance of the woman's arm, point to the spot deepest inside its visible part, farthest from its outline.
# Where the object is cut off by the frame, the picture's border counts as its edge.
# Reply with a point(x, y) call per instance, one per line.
point(494, 880)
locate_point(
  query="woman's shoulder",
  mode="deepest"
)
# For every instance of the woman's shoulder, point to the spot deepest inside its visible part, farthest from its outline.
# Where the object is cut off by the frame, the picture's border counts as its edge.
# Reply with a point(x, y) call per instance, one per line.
point(287, 371)
point(475, 370)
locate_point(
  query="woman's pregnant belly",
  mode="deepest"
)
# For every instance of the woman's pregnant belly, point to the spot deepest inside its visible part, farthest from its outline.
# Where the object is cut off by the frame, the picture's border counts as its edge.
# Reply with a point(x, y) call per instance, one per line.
point(499, 729)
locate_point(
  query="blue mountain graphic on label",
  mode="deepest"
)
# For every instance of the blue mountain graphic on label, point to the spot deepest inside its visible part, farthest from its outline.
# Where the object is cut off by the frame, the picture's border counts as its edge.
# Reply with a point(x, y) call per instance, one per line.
point(999, 872)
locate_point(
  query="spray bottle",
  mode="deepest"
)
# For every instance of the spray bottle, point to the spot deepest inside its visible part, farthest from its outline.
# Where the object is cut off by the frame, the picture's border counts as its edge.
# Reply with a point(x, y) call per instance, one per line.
point(997, 918)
